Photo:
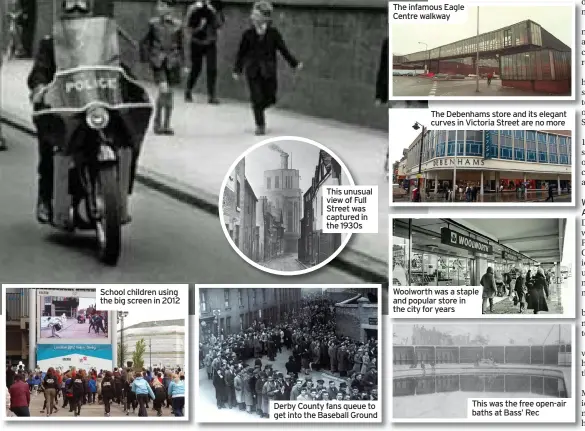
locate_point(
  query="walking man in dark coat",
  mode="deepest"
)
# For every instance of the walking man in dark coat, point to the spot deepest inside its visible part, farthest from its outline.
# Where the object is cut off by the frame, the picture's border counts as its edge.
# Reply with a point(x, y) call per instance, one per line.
point(257, 59)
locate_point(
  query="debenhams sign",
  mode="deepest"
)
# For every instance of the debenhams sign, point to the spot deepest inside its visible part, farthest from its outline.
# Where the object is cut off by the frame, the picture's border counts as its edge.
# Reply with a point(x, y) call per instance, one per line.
point(463, 162)
point(456, 239)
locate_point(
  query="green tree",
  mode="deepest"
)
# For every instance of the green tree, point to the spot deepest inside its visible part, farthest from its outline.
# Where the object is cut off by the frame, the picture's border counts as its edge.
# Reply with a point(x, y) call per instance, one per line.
point(138, 354)
point(122, 354)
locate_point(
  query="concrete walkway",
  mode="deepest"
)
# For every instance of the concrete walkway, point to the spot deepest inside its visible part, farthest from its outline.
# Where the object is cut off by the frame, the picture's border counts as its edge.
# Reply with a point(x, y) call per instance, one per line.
point(208, 139)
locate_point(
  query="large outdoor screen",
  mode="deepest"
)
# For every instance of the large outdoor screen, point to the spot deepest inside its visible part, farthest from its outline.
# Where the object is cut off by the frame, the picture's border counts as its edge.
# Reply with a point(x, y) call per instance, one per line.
point(71, 316)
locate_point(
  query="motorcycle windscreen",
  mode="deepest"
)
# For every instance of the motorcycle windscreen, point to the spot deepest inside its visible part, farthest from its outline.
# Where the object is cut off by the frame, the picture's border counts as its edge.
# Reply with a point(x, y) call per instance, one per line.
point(86, 42)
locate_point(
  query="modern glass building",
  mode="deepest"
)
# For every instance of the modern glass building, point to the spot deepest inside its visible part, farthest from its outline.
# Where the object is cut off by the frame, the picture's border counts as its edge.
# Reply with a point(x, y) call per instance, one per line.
point(490, 158)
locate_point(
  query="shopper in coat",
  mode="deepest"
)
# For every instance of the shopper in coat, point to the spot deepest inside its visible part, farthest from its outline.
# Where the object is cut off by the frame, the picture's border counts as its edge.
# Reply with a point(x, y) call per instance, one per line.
point(488, 283)
point(520, 293)
point(538, 293)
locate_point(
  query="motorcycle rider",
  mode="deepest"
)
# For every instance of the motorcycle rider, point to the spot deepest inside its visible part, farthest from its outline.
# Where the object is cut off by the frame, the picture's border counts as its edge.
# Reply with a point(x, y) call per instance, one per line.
point(41, 75)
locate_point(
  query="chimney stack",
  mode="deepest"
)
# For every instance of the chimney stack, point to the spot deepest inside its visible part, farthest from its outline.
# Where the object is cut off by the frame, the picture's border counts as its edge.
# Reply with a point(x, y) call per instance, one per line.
point(283, 161)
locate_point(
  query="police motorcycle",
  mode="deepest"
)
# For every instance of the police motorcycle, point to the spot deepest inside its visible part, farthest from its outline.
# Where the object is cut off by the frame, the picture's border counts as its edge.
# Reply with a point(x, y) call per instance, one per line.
point(95, 117)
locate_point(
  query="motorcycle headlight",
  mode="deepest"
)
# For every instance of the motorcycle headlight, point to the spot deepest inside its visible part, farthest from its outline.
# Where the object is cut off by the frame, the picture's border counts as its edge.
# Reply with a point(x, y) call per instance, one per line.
point(97, 118)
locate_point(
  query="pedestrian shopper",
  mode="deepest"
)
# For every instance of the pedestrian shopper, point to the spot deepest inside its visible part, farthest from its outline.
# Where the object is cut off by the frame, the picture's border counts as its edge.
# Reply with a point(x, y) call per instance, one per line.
point(202, 22)
point(538, 293)
point(143, 393)
point(78, 388)
point(131, 400)
point(161, 47)
point(177, 394)
point(490, 76)
point(257, 58)
point(19, 397)
point(489, 290)
point(92, 386)
point(520, 290)
point(551, 193)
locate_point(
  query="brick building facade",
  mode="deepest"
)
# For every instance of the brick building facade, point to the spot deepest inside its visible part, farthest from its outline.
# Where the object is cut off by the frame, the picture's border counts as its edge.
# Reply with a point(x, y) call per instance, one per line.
point(338, 41)
point(357, 319)
point(229, 311)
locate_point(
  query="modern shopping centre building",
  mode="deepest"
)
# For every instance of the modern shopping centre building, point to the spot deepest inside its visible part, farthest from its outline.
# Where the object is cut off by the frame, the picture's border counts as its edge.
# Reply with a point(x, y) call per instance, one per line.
point(488, 158)
point(457, 252)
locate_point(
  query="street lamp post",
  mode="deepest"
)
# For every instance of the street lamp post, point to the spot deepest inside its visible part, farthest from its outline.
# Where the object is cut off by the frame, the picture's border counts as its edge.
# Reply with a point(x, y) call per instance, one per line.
point(417, 126)
point(121, 316)
point(477, 56)
point(429, 56)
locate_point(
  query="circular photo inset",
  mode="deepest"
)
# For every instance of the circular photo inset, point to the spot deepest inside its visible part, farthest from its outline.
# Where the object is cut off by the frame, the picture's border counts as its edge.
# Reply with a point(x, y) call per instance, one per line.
point(271, 205)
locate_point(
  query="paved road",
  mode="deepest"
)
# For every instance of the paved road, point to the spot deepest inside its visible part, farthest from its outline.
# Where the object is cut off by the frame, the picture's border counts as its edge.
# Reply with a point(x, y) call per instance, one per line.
point(167, 242)
point(286, 262)
point(88, 410)
point(505, 305)
point(423, 87)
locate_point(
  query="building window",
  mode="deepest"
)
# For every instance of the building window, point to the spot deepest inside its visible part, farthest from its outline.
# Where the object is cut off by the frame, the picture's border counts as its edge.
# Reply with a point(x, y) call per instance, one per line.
point(241, 322)
point(254, 296)
point(276, 182)
point(268, 183)
point(203, 305)
point(474, 143)
point(238, 195)
point(240, 299)
point(228, 325)
point(563, 151)
point(542, 148)
point(552, 149)
point(441, 143)
point(507, 38)
point(519, 145)
point(451, 142)
point(506, 145)
point(226, 298)
point(531, 146)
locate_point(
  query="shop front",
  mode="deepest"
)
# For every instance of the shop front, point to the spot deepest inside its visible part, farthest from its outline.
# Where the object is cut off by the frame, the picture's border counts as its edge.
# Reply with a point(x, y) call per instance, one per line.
point(492, 174)
point(440, 252)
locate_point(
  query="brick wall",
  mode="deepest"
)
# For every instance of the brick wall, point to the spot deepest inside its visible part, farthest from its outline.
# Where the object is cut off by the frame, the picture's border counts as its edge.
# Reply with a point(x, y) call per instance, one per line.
point(347, 321)
point(339, 45)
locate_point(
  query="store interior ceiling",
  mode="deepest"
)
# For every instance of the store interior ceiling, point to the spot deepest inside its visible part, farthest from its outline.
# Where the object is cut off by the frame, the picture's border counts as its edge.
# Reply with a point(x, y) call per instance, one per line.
point(539, 239)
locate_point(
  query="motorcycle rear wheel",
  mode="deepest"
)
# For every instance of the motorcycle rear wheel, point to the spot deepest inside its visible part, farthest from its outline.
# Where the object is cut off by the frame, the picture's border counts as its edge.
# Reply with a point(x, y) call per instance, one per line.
point(109, 226)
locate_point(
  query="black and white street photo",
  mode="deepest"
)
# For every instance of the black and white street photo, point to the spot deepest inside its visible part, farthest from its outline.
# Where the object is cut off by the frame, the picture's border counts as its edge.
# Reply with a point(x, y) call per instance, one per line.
point(167, 87)
point(272, 206)
point(521, 266)
point(262, 344)
point(437, 367)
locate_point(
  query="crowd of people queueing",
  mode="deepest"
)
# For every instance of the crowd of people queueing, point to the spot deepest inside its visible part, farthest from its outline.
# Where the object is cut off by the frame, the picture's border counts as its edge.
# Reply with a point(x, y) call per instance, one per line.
point(128, 388)
point(241, 380)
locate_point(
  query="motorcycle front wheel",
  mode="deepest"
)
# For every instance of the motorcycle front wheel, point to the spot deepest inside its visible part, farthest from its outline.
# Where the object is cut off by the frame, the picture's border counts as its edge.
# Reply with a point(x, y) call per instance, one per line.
point(109, 226)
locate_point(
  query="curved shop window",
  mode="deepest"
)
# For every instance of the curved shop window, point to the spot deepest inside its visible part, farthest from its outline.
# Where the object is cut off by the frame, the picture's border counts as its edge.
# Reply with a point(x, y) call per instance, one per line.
point(451, 140)
point(564, 157)
point(474, 143)
point(542, 153)
point(519, 145)
point(506, 145)
point(552, 149)
point(530, 146)
point(442, 141)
